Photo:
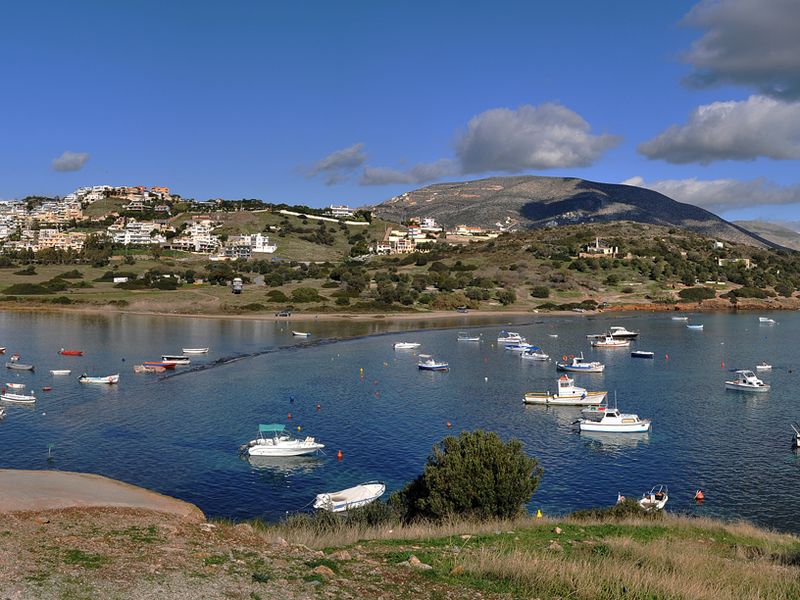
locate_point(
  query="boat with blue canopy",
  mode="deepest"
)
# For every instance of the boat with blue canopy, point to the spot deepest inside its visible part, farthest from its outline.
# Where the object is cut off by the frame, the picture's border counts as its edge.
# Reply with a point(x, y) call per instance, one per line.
point(274, 440)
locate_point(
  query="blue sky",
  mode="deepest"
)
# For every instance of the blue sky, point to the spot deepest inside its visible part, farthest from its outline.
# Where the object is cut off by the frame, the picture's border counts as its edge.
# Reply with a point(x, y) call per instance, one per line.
point(355, 102)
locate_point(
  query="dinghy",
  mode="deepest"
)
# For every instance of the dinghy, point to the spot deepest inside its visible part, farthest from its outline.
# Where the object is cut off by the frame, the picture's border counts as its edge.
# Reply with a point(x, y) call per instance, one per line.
point(405, 345)
point(60, 372)
point(642, 354)
point(655, 499)
point(580, 365)
point(106, 379)
point(195, 350)
point(350, 498)
point(177, 359)
point(463, 336)
point(18, 366)
point(695, 327)
point(764, 367)
point(301, 334)
point(65, 352)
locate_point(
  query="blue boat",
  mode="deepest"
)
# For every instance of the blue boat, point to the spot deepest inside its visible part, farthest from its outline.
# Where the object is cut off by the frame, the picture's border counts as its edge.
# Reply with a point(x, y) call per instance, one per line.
point(580, 365)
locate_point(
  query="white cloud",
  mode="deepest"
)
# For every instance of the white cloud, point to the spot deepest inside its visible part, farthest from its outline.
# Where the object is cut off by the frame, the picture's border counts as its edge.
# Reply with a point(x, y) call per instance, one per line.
point(755, 43)
point(722, 194)
point(70, 161)
point(532, 137)
point(340, 165)
point(735, 130)
point(420, 173)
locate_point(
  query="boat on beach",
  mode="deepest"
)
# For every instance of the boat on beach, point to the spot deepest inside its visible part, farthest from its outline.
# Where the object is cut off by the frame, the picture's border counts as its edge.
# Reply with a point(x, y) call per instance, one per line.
point(18, 396)
point(347, 499)
point(195, 350)
point(766, 320)
point(655, 499)
point(178, 359)
point(406, 345)
point(274, 440)
point(567, 394)
point(579, 364)
point(65, 352)
point(746, 381)
point(18, 366)
point(60, 371)
point(301, 334)
point(109, 379)
point(642, 354)
point(428, 363)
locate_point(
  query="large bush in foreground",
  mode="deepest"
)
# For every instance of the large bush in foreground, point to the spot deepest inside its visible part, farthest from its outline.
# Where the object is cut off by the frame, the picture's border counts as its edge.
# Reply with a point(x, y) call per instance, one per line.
point(474, 475)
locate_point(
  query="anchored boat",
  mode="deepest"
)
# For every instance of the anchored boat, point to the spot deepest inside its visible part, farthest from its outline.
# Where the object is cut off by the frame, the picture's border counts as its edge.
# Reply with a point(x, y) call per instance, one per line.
point(463, 336)
point(610, 342)
point(746, 381)
point(301, 334)
point(655, 499)
point(274, 440)
point(612, 421)
point(195, 350)
point(105, 379)
point(405, 345)
point(350, 498)
point(580, 365)
point(510, 337)
point(642, 354)
point(568, 394)
point(65, 352)
point(18, 397)
point(535, 353)
point(428, 363)
point(60, 372)
point(18, 366)
point(178, 359)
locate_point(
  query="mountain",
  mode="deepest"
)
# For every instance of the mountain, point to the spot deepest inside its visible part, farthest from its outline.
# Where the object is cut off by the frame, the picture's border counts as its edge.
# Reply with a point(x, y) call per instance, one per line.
point(778, 233)
point(530, 202)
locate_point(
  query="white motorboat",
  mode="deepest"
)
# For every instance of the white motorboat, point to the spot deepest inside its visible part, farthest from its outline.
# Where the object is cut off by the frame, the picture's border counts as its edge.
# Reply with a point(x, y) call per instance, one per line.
point(622, 333)
point(796, 442)
point(610, 342)
point(274, 440)
point(766, 320)
point(642, 354)
point(428, 363)
point(178, 359)
point(301, 334)
point(354, 497)
point(524, 347)
point(680, 318)
point(535, 353)
point(463, 336)
point(552, 335)
point(655, 499)
point(406, 345)
point(17, 396)
point(580, 365)
point(60, 372)
point(510, 337)
point(764, 367)
point(695, 327)
point(110, 379)
point(568, 394)
point(746, 381)
point(195, 350)
point(612, 421)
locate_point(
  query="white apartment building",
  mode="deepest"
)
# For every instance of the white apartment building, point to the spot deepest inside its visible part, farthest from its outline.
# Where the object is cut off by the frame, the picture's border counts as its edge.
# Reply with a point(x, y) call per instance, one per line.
point(340, 211)
point(136, 233)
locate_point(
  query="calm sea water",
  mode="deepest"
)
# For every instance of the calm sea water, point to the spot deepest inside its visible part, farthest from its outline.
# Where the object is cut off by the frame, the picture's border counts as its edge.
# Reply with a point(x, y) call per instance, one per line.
point(180, 434)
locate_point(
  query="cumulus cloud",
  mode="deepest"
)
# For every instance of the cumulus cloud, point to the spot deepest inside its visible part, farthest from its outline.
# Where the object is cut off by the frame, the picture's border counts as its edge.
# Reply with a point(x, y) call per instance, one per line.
point(340, 165)
point(747, 42)
point(532, 137)
point(420, 173)
point(735, 130)
point(70, 161)
point(722, 194)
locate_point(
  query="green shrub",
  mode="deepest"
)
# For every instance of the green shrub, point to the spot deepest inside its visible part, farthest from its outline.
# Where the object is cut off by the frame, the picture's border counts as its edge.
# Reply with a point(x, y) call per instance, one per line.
point(277, 296)
point(253, 307)
point(342, 301)
point(626, 509)
point(330, 284)
point(784, 289)
point(506, 297)
point(61, 300)
point(306, 294)
point(29, 270)
point(749, 292)
point(697, 294)
point(26, 289)
point(474, 475)
point(540, 291)
point(627, 290)
point(74, 274)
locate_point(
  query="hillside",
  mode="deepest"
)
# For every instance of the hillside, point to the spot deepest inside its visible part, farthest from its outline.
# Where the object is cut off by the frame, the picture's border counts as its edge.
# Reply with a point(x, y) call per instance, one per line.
point(530, 202)
point(774, 232)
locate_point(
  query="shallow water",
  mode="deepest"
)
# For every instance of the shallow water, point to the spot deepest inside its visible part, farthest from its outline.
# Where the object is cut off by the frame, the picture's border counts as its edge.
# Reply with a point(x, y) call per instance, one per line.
point(180, 434)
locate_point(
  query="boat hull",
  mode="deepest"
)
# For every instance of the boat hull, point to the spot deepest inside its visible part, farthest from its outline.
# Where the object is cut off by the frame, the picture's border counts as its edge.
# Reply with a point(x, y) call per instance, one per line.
point(642, 354)
point(588, 399)
point(571, 369)
point(599, 427)
point(61, 372)
point(299, 450)
point(195, 350)
point(351, 498)
point(71, 352)
point(738, 387)
point(17, 398)
point(108, 379)
point(19, 366)
point(433, 367)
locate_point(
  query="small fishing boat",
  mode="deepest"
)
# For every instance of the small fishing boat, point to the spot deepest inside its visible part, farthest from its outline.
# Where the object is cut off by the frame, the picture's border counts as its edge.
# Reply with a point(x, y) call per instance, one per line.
point(18, 396)
point(178, 359)
point(580, 365)
point(655, 499)
point(163, 364)
point(510, 337)
point(642, 354)
point(18, 366)
point(105, 379)
point(145, 369)
point(568, 394)
point(622, 333)
point(65, 352)
point(796, 428)
point(610, 420)
point(463, 336)
point(535, 353)
point(428, 363)
point(47, 388)
point(680, 318)
point(60, 372)
point(350, 498)
point(405, 345)
point(764, 366)
point(274, 440)
point(695, 327)
point(195, 350)
point(746, 381)
point(766, 320)
point(301, 334)
point(610, 342)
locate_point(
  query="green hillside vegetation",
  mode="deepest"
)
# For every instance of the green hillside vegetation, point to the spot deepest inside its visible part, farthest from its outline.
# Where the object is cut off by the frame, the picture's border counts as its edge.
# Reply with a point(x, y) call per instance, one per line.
point(105, 206)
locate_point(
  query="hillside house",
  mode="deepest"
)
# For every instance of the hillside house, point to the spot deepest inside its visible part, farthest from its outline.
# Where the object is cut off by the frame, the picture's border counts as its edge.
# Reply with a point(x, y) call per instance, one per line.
point(598, 250)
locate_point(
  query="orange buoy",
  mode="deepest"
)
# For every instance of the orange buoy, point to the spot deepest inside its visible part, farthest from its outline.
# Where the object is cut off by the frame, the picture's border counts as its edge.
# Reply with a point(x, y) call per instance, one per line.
point(723, 364)
point(564, 357)
point(699, 496)
point(289, 416)
point(339, 455)
point(449, 424)
point(318, 407)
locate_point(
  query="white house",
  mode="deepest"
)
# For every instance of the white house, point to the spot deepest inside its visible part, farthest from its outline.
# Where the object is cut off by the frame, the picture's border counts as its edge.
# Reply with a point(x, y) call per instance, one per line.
point(340, 211)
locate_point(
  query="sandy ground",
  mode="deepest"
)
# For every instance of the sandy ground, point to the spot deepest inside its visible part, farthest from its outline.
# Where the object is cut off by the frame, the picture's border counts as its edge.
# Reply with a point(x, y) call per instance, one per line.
point(47, 490)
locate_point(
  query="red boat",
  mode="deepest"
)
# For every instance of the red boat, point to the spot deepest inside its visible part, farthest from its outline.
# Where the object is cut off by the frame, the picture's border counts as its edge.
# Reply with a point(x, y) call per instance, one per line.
point(162, 364)
point(64, 352)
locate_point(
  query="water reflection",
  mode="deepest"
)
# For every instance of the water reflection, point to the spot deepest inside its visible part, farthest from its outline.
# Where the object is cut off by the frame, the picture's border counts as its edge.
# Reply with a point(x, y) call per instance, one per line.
point(613, 442)
point(284, 465)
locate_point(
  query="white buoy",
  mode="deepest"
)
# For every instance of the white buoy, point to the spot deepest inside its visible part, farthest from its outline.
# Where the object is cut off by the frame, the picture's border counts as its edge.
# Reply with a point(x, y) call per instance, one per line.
point(486, 379)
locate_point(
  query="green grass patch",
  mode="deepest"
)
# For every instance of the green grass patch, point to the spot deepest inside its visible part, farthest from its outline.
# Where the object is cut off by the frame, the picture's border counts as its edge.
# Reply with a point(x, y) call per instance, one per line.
point(85, 559)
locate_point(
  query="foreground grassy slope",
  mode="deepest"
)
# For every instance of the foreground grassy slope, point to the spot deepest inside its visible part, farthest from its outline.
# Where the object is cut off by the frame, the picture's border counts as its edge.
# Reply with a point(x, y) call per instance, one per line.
point(123, 554)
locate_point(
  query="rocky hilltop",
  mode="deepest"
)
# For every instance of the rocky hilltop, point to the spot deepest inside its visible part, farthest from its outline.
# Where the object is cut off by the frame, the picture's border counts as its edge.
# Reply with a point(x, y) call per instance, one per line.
point(532, 202)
